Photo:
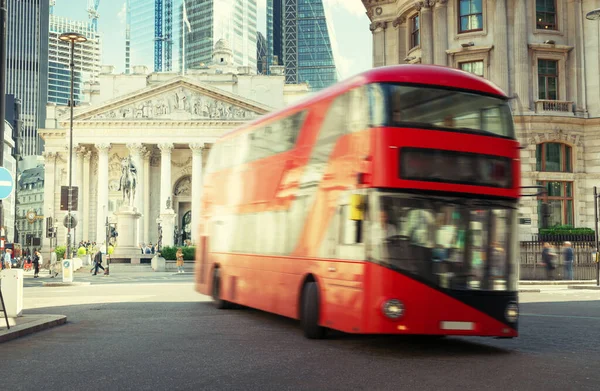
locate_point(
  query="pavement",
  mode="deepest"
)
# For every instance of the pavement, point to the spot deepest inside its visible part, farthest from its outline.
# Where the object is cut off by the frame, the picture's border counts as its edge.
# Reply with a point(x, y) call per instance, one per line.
point(165, 336)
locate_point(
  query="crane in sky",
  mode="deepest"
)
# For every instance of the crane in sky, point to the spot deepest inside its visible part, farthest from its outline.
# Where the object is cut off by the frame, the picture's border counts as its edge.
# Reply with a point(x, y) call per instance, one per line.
point(93, 12)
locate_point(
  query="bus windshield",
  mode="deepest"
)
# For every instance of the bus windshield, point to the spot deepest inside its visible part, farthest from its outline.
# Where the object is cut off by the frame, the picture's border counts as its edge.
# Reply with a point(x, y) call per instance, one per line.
point(453, 243)
point(447, 109)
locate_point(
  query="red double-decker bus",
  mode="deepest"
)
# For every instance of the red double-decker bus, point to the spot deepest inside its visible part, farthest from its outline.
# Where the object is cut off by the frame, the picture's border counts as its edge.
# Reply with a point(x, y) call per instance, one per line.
point(386, 204)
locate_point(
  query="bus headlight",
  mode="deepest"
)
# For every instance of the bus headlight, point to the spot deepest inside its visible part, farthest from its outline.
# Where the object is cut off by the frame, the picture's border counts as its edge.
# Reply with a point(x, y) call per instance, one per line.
point(512, 312)
point(393, 309)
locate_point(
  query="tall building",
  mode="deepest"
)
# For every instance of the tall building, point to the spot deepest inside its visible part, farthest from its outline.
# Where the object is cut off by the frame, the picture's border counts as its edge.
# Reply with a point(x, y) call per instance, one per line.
point(261, 53)
point(212, 20)
point(87, 59)
point(150, 29)
point(298, 34)
point(27, 65)
point(547, 54)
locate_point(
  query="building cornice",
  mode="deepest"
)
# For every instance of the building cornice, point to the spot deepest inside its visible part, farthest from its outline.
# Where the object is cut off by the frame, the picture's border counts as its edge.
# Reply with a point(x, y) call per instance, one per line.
point(547, 47)
point(470, 50)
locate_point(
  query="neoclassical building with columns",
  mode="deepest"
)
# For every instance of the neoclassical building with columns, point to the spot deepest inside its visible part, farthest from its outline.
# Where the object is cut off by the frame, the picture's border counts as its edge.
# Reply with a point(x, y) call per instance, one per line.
point(544, 54)
point(166, 123)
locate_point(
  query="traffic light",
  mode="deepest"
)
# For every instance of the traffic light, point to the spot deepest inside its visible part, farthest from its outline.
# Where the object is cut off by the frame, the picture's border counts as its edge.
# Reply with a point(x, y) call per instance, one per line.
point(49, 225)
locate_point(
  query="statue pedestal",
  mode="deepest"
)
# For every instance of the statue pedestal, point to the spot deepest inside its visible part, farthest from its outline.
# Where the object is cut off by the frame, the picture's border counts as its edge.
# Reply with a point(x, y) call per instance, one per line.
point(167, 223)
point(127, 224)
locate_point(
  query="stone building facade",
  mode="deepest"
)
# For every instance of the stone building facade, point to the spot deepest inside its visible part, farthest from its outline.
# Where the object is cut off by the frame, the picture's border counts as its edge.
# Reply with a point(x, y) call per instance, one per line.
point(544, 54)
point(165, 123)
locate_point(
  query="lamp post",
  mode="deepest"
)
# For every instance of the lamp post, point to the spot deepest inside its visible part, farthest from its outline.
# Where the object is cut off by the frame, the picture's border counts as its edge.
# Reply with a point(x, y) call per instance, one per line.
point(72, 38)
point(595, 15)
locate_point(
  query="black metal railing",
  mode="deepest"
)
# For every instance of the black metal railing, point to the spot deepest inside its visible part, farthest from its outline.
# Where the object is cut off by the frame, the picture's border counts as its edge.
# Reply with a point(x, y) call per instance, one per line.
point(531, 267)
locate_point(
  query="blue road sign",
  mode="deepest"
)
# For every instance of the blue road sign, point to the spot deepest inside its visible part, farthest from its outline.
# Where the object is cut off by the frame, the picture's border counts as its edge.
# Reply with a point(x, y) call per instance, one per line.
point(6, 183)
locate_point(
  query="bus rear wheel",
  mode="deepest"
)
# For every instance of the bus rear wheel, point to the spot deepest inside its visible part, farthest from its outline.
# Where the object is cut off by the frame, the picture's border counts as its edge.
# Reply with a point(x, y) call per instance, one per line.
point(216, 292)
point(309, 316)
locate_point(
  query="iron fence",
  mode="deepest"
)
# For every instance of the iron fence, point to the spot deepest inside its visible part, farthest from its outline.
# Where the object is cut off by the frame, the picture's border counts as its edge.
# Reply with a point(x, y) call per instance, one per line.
point(584, 267)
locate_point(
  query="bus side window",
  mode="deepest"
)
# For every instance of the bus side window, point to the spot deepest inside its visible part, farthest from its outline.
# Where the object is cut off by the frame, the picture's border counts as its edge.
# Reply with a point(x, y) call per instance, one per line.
point(377, 105)
point(358, 112)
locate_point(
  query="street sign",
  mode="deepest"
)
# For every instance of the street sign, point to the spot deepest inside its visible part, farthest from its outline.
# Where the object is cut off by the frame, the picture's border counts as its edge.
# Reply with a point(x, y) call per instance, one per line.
point(73, 221)
point(6, 183)
point(64, 198)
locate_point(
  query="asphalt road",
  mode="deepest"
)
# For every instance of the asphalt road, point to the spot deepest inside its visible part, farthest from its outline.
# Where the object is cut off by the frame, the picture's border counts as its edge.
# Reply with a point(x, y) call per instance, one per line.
point(164, 336)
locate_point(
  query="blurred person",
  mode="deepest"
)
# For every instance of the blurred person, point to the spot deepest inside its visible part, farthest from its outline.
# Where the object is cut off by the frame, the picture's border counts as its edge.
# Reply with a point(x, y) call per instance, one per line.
point(569, 257)
point(37, 260)
point(548, 261)
point(53, 263)
point(7, 259)
point(179, 257)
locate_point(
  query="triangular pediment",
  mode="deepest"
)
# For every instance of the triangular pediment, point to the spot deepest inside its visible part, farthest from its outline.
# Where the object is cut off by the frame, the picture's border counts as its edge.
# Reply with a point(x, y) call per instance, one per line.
point(180, 99)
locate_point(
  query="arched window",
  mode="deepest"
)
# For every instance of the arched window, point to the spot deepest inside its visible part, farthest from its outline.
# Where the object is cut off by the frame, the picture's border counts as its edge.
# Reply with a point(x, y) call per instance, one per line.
point(554, 157)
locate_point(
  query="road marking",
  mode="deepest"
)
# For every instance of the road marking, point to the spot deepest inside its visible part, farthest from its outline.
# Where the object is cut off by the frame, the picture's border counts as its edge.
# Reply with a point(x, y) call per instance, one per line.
point(562, 316)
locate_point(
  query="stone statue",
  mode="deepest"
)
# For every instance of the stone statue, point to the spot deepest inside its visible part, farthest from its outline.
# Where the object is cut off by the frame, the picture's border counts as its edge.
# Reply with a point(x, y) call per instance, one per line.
point(169, 203)
point(128, 182)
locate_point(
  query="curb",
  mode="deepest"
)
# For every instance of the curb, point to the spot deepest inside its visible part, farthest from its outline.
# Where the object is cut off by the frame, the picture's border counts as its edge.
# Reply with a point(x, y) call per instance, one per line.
point(11, 335)
point(530, 290)
point(588, 287)
point(51, 284)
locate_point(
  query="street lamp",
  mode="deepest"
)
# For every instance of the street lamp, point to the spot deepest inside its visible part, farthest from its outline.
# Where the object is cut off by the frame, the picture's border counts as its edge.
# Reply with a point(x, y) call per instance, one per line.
point(72, 38)
point(595, 15)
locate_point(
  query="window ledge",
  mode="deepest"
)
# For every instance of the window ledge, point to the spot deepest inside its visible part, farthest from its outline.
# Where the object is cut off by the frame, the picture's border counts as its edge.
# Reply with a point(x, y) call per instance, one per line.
point(470, 50)
point(545, 47)
point(554, 107)
point(478, 33)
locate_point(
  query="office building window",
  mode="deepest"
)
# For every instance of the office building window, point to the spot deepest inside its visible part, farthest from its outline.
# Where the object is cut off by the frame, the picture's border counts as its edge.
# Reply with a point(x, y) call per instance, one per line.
point(470, 15)
point(415, 36)
point(545, 14)
point(475, 67)
point(548, 79)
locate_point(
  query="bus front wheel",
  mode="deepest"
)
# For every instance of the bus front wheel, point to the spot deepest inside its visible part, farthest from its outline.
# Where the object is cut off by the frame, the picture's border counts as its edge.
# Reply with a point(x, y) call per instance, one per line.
point(310, 312)
point(216, 292)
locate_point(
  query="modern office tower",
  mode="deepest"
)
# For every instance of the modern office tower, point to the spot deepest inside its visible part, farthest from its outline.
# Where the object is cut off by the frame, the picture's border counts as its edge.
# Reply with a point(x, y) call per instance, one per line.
point(151, 26)
point(298, 34)
point(27, 66)
point(87, 59)
point(212, 20)
point(261, 53)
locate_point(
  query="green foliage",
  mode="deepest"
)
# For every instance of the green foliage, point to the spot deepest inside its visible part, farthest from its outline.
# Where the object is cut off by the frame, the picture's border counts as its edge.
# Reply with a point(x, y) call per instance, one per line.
point(168, 253)
point(111, 250)
point(60, 251)
point(81, 251)
point(566, 230)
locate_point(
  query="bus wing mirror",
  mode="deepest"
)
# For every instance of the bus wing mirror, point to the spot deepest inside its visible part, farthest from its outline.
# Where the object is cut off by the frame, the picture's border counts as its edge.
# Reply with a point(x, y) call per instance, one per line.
point(357, 207)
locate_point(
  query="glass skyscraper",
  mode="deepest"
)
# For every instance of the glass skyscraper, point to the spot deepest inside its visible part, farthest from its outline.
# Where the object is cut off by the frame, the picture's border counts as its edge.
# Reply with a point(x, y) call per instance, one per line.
point(211, 20)
point(261, 53)
point(297, 31)
point(87, 59)
point(27, 66)
point(150, 31)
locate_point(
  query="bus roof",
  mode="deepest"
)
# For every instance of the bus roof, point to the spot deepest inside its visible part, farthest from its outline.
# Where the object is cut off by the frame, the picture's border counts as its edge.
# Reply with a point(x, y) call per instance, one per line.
point(434, 75)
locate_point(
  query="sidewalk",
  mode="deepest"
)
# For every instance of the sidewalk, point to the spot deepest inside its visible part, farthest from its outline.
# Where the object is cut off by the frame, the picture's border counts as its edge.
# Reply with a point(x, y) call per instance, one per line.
point(29, 324)
point(556, 282)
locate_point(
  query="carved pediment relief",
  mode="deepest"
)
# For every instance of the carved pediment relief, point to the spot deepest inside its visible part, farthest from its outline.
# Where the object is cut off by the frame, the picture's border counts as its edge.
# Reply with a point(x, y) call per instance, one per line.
point(178, 101)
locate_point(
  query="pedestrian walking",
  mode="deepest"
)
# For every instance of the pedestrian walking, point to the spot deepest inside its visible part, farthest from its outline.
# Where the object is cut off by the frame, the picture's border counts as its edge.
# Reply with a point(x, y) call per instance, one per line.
point(7, 260)
point(98, 262)
point(54, 263)
point(179, 256)
point(569, 257)
point(548, 261)
point(37, 260)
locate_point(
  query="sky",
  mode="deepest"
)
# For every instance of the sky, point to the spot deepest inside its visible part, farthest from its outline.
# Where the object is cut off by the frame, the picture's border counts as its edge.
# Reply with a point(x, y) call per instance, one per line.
point(350, 35)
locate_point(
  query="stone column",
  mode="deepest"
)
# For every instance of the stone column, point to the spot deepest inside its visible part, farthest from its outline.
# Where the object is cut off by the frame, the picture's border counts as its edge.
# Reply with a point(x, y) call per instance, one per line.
point(426, 31)
point(440, 28)
point(197, 177)
point(165, 174)
point(521, 51)
point(49, 192)
point(135, 151)
point(85, 196)
point(146, 211)
point(400, 24)
point(79, 183)
point(102, 193)
point(167, 214)
point(379, 43)
point(500, 62)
